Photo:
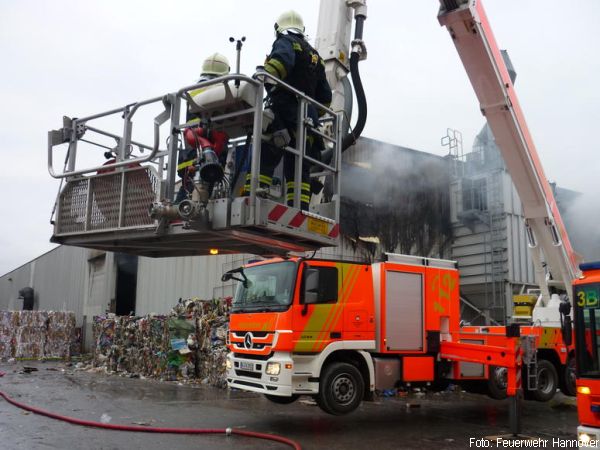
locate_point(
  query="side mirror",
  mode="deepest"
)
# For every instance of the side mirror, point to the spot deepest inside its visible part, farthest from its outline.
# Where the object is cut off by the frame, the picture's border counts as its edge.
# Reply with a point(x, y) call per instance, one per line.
point(226, 276)
point(311, 286)
point(566, 324)
point(229, 275)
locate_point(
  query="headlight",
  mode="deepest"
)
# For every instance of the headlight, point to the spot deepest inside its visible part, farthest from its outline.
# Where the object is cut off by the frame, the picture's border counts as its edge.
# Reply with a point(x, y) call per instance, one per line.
point(584, 390)
point(273, 368)
point(584, 438)
point(228, 364)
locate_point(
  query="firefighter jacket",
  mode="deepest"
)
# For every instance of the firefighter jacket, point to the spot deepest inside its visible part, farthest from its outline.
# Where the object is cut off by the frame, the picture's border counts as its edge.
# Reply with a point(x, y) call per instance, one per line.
point(294, 61)
point(189, 155)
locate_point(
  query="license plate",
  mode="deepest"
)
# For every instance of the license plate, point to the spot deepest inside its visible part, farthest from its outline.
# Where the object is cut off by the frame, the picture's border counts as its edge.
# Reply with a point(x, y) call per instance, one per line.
point(317, 226)
point(246, 365)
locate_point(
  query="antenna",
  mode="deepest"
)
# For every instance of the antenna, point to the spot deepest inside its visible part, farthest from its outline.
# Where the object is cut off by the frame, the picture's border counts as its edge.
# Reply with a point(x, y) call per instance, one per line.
point(238, 48)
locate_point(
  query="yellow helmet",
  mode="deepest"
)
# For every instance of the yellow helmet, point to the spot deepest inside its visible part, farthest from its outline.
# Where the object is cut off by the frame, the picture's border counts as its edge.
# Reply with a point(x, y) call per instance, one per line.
point(215, 64)
point(290, 20)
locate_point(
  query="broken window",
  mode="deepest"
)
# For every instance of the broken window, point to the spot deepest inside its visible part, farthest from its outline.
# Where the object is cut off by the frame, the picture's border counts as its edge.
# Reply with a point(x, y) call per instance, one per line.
point(474, 194)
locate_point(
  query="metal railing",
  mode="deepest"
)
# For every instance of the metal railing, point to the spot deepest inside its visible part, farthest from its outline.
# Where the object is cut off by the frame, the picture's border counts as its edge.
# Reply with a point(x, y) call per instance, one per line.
point(87, 209)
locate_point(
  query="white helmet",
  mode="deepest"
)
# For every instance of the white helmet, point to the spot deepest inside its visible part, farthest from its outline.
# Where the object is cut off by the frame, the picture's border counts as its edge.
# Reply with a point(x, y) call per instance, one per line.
point(290, 20)
point(216, 64)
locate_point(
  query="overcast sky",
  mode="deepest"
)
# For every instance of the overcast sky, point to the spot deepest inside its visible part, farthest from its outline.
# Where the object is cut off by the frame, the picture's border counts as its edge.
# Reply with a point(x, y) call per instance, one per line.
point(77, 58)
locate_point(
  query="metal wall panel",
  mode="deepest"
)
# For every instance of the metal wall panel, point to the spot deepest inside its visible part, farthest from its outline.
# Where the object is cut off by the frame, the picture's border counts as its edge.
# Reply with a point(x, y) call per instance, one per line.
point(10, 285)
point(161, 282)
point(57, 277)
point(404, 311)
point(59, 280)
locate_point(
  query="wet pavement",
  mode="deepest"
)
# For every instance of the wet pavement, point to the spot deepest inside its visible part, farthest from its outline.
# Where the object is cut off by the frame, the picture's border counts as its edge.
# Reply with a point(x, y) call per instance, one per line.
point(432, 421)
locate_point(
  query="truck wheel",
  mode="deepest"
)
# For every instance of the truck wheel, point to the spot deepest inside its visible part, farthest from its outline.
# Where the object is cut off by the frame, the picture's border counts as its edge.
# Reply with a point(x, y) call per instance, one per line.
point(282, 400)
point(497, 382)
point(567, 380)
point(341, 389)
point(547, 381)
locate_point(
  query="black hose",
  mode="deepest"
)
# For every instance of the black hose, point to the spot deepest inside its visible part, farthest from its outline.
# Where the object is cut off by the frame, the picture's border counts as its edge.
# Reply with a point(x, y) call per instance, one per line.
point(352, 137)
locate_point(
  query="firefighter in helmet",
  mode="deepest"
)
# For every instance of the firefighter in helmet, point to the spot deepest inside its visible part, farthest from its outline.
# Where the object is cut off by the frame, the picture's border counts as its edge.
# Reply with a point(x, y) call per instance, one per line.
point(214, 66)
point(294, 61)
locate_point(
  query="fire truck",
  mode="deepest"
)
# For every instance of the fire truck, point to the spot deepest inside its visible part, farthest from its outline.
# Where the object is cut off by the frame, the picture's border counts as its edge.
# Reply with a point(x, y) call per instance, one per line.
point(334, 330)
point(339, 331)
point(586, 301)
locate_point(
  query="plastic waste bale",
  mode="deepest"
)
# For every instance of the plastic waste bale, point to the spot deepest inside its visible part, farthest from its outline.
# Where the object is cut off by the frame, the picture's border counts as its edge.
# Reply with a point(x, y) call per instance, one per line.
point(187, 344)
point(30, 335)
point(9, 322)
point(59, 336)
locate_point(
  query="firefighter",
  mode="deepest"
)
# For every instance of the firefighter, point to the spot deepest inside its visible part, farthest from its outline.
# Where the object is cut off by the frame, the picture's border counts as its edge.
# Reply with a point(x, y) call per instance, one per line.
point(214, 66)
point(294, 61)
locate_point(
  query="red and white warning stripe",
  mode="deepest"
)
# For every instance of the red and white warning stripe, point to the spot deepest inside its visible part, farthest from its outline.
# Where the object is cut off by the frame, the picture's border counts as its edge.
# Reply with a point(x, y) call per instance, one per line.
point(519, 361)
point(292, 218)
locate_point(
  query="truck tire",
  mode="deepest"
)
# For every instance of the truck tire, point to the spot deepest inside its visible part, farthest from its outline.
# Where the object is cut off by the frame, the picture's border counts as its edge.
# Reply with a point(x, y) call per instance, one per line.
point(282, 400)
point(567, 380)
point(497, 382)
point(547, 381)
point(341, 389)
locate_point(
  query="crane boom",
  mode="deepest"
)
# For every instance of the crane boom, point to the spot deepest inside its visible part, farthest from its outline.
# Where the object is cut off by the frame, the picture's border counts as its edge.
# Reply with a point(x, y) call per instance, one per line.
point(472, 35)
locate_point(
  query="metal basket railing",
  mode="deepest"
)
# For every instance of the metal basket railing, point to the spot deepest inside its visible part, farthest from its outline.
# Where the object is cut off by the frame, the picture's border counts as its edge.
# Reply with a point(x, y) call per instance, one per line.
point(116, 196)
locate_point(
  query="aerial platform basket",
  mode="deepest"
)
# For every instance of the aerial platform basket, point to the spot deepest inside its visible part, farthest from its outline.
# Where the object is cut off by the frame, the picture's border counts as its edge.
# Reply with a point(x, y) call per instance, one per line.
point(128, 204)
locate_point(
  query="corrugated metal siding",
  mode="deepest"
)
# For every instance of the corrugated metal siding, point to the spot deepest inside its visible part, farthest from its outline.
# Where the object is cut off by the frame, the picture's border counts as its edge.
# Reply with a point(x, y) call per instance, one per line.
point(59, 280)
point(57, 277)
point(161, 282)
point(10, 285)
point(520, 264)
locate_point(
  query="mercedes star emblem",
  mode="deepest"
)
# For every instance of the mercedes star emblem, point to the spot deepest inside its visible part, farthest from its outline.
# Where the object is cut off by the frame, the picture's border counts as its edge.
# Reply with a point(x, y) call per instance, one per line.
point(248, 341)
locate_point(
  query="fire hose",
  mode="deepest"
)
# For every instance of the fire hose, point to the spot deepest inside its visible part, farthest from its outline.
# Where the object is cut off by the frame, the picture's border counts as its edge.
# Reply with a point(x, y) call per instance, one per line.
point(143, 429)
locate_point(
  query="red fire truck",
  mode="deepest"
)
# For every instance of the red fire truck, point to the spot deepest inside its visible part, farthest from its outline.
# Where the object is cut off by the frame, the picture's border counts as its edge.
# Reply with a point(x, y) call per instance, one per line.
point(339, 331)
point(586, 304)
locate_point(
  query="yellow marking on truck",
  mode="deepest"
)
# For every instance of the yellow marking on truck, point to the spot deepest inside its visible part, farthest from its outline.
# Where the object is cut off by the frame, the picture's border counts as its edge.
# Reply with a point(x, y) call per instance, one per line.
point(322, 317)
point(444, 290)
point(316, 320)
point(353, 273)
point(342, 288)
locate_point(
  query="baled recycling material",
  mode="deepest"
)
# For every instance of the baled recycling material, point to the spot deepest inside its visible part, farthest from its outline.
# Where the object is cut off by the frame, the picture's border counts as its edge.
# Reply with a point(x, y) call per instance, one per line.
point(37, 334)
point(186, 344)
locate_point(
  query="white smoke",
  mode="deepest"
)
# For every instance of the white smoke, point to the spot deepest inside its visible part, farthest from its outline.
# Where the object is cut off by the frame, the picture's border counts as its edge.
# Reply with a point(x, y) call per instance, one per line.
point(582, 219)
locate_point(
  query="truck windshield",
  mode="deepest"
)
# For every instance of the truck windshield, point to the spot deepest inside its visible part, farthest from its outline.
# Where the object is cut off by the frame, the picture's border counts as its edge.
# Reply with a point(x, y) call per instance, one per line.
point(268, 287)
point(587, 329)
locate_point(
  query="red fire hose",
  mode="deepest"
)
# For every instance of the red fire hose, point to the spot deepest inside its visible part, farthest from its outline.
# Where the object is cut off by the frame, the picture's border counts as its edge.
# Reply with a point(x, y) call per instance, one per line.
point(108, 426)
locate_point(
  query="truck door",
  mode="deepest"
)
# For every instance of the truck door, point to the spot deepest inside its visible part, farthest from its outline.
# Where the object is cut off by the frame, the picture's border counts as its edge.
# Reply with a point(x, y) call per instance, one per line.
point(403, 311)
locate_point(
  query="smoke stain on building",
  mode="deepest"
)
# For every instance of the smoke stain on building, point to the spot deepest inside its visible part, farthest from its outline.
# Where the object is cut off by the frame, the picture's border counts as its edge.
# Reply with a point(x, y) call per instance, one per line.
point(396, 199)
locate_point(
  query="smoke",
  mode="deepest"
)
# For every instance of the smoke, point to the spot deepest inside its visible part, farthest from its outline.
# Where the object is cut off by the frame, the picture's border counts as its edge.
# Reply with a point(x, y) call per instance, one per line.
point(398, 195)
point(582, 220)
point(373, 168)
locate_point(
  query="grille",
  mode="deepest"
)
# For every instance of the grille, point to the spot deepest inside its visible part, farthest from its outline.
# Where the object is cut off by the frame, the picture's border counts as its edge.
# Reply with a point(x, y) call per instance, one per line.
point(251, 356)
point(108, 201)
point(246, 373)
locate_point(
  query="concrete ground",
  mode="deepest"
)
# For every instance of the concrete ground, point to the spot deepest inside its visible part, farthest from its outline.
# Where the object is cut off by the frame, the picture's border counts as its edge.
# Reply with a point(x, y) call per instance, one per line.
point(432, 421)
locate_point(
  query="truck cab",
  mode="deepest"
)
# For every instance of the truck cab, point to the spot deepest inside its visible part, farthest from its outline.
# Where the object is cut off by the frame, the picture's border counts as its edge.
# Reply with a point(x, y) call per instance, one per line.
point(288, 315)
